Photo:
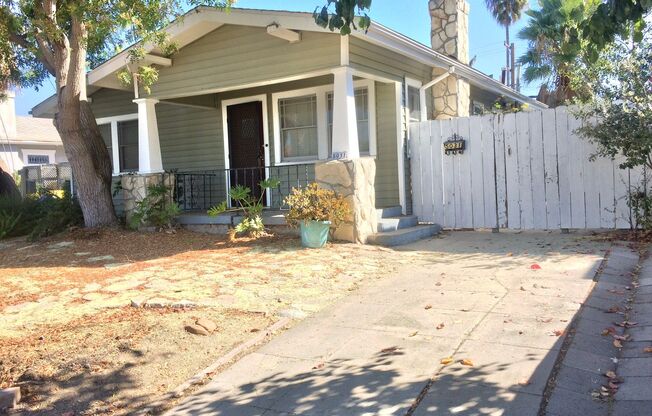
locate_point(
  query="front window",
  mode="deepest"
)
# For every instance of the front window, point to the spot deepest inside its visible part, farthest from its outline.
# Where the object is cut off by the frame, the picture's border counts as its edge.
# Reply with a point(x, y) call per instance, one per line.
point(38, 159)
point(298, 122)
point(128, 145)
point(362, 115)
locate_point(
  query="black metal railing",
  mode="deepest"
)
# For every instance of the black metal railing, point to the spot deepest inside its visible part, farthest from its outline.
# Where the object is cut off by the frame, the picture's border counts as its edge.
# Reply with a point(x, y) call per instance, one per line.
point(200, 190)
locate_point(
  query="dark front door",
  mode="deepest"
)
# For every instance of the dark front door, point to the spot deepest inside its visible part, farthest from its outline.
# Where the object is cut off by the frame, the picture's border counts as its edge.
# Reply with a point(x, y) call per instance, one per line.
point(246, 145)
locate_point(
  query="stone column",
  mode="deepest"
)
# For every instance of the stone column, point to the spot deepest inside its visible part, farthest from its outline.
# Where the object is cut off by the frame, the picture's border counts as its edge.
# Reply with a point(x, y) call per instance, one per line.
point(450, 36)
point(135, 188)
point(149, 148)
point(353, 179)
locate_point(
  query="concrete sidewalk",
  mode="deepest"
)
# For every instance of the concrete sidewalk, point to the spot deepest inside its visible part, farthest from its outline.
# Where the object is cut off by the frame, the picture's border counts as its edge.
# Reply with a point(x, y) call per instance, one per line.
point(498, 300)
point(619, 310)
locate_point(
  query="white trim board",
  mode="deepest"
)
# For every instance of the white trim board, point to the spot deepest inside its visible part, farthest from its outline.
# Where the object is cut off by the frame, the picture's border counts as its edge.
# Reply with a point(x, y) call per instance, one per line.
point(115, 145)
point(322, 119)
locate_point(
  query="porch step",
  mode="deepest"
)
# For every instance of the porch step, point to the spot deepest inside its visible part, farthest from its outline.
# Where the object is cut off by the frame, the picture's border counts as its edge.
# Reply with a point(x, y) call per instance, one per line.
point(396, 223)
point(404, 235)
point(389, 212)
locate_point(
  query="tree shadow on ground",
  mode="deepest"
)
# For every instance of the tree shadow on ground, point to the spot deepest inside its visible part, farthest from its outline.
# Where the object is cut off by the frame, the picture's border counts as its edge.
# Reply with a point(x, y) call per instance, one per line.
point(376, 386)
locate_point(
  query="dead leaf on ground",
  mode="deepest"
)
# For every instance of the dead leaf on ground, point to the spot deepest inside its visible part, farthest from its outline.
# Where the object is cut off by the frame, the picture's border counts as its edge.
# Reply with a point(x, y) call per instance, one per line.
point(509, 254)
point(535, 267)
point(414, 334)
point(446, 361)
point(428, 307)
point(557, 333)
point(389, 350)
point(467, 362)
point(441, 326)
point(608, 330)
point(610, 374)
point(617, 343)
point(524, 382)
point(647, 349)
point(318, 366)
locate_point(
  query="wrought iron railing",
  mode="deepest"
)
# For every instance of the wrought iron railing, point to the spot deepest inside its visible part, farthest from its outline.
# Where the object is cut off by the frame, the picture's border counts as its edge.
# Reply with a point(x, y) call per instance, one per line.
point(200, 190)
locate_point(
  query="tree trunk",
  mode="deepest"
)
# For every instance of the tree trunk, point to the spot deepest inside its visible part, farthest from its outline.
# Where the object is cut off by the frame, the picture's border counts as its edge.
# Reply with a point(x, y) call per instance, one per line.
point(508, 60)
point(89, 159)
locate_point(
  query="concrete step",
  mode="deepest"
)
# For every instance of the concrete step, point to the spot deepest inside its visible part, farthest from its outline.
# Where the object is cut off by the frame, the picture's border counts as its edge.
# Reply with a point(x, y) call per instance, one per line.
point(389, 212)
point(404, 236)
point(396, 223)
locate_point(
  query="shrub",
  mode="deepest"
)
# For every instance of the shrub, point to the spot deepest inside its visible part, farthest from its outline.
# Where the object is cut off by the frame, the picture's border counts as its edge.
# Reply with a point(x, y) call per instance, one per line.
point(313, 203)
point(155, 209)
point(38, 215)
point(251, 207)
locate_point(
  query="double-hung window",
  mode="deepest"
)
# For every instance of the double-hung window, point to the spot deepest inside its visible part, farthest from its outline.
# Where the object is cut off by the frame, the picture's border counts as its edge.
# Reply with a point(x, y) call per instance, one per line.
point(362, 117)
point(120, 136)
point(303, 122)
point(298, 127)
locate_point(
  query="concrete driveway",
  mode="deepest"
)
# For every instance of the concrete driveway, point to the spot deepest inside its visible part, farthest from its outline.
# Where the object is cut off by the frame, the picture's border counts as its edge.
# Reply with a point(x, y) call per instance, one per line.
point(495, 305)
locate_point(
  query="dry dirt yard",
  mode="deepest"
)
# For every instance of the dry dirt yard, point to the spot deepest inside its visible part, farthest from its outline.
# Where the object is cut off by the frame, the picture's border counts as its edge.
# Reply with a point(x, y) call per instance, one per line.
point(79, 337)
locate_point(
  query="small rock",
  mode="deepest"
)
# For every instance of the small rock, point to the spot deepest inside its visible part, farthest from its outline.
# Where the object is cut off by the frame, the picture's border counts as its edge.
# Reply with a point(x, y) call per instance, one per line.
point(197, 330)
point(137, 303)
point(100, 258)
point(9, 398)
point(292, 314)
point(83, 253)
point(157, 303)
point(183, 304)
point(207, 324)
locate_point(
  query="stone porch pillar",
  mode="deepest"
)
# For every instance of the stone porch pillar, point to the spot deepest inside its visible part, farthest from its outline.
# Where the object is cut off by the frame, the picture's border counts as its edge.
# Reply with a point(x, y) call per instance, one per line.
point(353, 179)
point(149, 148)
point(345, 127)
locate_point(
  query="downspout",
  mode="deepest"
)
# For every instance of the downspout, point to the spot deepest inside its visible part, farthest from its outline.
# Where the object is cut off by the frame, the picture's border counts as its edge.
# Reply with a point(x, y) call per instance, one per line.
point(422, 91)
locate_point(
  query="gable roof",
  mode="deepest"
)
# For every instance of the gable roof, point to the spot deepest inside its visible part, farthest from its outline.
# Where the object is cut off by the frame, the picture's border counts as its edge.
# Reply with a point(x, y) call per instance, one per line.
point(203, 20)
point(31, 130)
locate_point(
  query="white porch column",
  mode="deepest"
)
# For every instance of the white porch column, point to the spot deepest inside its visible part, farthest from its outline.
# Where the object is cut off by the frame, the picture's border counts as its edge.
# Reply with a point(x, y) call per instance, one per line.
point(149, 148)
point(345, 127)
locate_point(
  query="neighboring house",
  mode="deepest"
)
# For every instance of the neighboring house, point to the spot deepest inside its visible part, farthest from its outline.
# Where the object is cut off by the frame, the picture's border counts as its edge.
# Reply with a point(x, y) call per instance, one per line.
point(253, 93)
point(27, 141)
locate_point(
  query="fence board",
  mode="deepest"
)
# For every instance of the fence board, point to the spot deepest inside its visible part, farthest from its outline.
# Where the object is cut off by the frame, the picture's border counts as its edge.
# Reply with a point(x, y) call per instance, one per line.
point(525, 184)
point(538, 171)
point(519, 171)
point(489, 173)
point(465, 184)
point(551, 173)
point(475, 149)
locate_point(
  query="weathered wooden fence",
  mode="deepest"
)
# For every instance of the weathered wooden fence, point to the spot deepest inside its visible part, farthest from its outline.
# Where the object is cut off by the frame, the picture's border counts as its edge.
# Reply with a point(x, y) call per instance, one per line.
point(528, 170)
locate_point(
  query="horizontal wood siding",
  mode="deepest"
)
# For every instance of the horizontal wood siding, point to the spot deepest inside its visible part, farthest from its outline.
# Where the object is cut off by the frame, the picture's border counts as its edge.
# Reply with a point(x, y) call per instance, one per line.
point(237, 55)
point(379, 61)
point(191, 138)
point(386, 160)
point(110, 103)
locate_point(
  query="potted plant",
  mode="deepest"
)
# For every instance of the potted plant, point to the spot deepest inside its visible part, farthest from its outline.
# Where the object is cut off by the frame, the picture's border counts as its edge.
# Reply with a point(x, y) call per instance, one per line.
point(315, 210)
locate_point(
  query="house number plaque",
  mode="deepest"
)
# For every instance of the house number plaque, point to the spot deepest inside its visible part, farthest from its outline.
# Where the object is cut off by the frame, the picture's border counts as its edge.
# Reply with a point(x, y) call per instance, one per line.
point(338, 155)
point(455, 145)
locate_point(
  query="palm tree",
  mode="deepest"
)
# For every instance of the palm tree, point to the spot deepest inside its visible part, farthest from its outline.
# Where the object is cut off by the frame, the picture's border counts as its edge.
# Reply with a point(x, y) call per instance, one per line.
point(556, 48)
point(506, 13)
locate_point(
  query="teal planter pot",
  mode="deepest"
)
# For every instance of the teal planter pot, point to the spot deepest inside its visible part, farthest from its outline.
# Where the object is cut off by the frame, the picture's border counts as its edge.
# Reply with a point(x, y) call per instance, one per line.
point(314, 234)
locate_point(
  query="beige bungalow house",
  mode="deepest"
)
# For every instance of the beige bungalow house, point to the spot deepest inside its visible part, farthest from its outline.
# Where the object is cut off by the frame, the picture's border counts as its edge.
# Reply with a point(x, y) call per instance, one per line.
point(263, 93)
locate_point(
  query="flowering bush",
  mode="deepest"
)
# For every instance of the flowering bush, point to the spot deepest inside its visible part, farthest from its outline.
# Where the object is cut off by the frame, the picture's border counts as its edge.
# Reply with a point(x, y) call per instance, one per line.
point(313, 203)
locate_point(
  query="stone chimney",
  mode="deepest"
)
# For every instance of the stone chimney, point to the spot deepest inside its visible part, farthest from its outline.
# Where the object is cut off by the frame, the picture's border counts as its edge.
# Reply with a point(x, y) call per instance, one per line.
point(449, 20)
point(7, 115)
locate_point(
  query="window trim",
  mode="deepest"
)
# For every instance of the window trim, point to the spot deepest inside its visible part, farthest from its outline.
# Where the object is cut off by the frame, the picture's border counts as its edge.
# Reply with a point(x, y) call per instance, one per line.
point(299, 159)
point(115, 144)
point(321, 92)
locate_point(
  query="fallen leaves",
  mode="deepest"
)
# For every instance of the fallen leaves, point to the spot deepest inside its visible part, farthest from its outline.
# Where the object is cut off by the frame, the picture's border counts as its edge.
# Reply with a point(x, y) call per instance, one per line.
point(467, 362)
point(617, 343)
point(557, 332)
point(318, 366)
point(389, 350)
point(608, 331)
point(647, 350)
point(428, 307)
point(535, 267)
point(441, 326)
point(446, 361)
point(414, 334)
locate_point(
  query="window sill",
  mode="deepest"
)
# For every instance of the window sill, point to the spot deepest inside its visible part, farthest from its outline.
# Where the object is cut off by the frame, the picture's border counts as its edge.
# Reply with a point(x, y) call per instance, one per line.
point(313, 161)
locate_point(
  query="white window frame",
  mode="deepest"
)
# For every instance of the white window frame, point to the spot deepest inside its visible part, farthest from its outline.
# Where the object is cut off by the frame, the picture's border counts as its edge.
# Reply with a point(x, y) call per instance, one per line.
point(115, 148)
point(321, 93)
point(51, 154)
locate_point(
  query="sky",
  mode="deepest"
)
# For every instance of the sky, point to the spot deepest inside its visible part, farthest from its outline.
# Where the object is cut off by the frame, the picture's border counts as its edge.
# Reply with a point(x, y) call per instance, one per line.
point(409, 17)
